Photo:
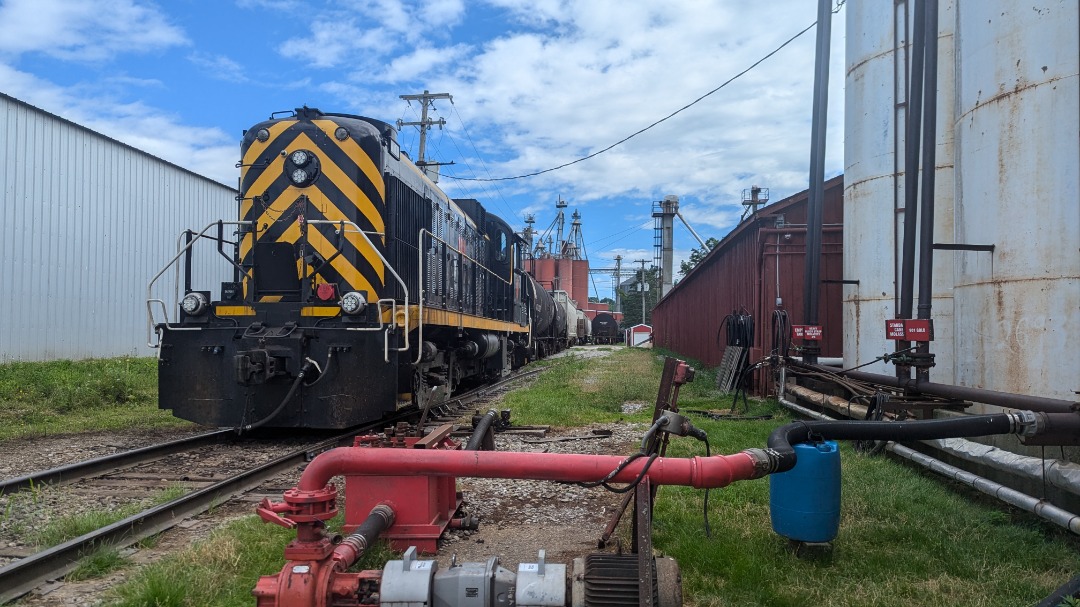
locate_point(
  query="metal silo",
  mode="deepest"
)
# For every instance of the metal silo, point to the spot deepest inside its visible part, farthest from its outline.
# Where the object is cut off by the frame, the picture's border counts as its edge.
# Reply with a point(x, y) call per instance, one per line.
point(1008, 159)
point(878, 52)
point(1018, 158)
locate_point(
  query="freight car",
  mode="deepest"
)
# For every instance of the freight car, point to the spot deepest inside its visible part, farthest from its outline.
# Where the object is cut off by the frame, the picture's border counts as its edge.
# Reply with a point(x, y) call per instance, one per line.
point(356, 285)
point(605, 329)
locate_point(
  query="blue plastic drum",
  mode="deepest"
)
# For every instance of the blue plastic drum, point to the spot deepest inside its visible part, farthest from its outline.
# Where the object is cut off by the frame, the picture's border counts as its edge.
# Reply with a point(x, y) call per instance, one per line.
point(804, 502)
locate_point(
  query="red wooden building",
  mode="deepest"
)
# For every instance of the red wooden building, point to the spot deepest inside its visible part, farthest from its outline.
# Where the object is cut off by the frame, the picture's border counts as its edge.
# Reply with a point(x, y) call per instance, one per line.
point(759, 261)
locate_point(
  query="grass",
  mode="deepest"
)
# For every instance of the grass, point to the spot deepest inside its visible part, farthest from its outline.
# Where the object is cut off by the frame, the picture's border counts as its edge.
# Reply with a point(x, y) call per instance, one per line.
point(64, 528)
point(222, 570)
point(40, 398)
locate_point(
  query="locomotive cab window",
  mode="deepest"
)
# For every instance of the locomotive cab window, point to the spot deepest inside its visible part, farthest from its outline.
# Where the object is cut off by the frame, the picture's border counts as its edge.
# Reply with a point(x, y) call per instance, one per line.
point(501, 249)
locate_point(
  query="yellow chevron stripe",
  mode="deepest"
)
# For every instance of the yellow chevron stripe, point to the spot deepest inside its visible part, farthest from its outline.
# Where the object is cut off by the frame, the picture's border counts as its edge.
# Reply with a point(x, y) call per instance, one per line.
point(269, 174)
point(332, 213)
point(353, 150)
point(346, 186)
point(257, 147)
point(348, 272)
point(272, 212)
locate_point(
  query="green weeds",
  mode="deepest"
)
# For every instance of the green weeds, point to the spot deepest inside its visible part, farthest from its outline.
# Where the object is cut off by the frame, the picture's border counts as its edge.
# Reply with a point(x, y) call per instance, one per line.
point(222, 570)
point(39, 398)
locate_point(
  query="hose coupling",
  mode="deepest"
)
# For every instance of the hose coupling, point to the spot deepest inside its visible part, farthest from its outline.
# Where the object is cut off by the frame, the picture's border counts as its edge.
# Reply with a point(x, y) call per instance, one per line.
point(766, 461)
point(1027, 423)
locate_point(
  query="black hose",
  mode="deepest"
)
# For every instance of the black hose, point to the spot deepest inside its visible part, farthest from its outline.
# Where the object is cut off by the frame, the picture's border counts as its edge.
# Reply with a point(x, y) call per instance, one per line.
point(380, 519)
point(781, 440)
point(483, 427)
point(281, 407)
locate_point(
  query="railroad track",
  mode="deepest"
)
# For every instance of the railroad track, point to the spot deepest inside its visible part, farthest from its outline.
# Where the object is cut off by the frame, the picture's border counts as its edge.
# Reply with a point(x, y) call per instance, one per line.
point(21, 576)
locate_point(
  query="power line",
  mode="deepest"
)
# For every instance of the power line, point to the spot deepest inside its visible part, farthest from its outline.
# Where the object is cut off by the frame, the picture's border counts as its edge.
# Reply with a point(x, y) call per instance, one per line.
point(665, 118)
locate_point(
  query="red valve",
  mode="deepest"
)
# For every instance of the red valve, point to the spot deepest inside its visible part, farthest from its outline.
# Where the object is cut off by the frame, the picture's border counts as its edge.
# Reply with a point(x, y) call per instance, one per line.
point(268, 510)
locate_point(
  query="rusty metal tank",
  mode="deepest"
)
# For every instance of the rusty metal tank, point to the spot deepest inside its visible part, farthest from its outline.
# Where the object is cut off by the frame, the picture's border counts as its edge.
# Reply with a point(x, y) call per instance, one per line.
point(878, 55)
point(1018, 172)
point(1007, 174)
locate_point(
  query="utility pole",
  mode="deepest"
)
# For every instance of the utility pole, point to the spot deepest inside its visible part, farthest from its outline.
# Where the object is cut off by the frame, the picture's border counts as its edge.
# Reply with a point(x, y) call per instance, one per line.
point(618, 282)
point(425, 123)
point(644, 285)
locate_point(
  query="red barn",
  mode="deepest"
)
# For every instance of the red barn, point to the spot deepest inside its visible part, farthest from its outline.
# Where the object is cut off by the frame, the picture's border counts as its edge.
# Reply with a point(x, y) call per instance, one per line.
point(762, 259)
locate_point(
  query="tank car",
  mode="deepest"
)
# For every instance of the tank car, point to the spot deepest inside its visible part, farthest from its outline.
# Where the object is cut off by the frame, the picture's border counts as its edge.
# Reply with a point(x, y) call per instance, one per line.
point(570, 311)
point(356, 286)
point(584, 329)
point(605, 329)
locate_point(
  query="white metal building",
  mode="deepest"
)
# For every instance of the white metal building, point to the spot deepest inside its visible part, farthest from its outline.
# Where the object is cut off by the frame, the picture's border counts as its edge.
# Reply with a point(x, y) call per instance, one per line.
point(86, 222)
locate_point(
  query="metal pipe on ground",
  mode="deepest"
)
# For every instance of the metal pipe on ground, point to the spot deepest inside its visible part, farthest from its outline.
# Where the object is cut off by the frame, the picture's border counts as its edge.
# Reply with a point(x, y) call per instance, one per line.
point(1043, 510)
point(978, 395)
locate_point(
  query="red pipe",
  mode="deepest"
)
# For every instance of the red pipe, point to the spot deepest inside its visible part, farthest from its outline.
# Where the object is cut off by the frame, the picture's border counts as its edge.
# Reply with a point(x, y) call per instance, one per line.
point(700, 472)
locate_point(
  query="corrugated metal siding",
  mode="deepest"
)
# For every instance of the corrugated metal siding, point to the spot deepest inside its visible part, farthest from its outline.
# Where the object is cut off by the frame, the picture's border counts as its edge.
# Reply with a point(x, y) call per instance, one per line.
point(741, 273)
point(86, 222)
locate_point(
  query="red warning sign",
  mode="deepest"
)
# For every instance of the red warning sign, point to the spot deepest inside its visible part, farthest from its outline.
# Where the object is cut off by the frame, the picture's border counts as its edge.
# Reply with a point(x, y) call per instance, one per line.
point(909, 329)
point(808, 332)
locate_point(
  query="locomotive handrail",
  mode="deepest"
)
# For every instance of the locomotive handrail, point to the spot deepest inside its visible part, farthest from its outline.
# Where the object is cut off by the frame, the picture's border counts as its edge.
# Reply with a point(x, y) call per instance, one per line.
point(420, 284)
point(181, 250)
point(386, 264)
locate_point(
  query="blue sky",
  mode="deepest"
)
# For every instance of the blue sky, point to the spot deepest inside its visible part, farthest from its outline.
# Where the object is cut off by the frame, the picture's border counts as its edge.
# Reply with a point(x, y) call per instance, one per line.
point(536, 84)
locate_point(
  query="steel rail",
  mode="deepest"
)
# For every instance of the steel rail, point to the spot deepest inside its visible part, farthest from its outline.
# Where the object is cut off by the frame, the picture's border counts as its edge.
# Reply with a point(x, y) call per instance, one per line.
point(110, 463)
point(22, 576)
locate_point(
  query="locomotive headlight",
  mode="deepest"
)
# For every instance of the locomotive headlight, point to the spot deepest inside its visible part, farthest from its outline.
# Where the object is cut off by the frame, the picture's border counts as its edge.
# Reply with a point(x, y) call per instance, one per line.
point(300, 157)
point(353, 303)
point(341, 133)
point(301, 167)
point(194, 304)
point(262, 135)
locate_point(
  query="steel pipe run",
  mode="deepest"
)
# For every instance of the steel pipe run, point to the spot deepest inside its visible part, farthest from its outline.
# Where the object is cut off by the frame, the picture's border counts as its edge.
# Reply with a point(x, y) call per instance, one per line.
point(700, 472)
point(978, 395)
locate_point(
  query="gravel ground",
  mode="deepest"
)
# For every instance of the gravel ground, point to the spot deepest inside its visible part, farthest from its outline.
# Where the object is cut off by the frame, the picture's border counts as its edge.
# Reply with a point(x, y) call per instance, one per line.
point(520, 517)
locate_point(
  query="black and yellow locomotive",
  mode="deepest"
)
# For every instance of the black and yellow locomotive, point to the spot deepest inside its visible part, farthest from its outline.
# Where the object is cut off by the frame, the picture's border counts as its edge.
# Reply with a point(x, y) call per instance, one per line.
point(356, 285)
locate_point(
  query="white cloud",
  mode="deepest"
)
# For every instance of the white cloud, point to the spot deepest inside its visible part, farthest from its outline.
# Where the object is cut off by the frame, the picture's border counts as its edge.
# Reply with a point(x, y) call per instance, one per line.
point(415, 65)
point(84, 30)
point(331, 42)
point(219, 67)
point(609, 68)
point(207, 151)
point(364, 32)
